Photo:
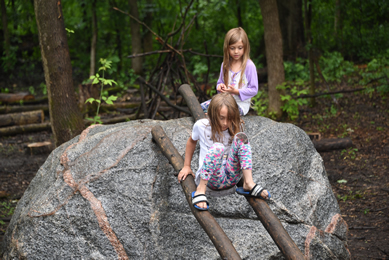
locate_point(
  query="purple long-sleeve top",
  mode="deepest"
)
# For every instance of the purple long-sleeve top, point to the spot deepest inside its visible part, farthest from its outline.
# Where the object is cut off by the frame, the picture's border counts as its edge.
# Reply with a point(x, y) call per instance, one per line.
point(249, 87)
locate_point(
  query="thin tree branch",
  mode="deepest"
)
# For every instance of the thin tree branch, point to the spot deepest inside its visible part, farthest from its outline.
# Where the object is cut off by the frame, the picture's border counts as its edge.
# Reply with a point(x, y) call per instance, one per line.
point(334, 92)
point(163, 97)
point(169, 51)
point(142, 23)
point(148, 53)
point(183, 20)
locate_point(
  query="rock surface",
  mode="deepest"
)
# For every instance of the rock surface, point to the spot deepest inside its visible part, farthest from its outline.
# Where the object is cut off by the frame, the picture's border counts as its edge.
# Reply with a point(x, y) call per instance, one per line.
point(111, 194)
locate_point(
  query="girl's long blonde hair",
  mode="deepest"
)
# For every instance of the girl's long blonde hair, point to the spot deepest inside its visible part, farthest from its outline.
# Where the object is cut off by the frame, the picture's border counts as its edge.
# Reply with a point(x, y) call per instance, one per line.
point(233, 36)
point(218, 101)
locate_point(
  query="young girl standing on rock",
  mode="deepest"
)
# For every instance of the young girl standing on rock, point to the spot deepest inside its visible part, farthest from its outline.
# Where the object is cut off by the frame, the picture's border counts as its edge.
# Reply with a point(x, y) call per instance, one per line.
point(238, 74)
point(225, 153)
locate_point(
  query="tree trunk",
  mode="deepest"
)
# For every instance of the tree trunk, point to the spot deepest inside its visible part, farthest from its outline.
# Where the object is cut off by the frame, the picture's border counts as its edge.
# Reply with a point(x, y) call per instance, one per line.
point(275, 66)
point(239, 12)
point(338, 26)
point(307, 18)
point(136, 38)
point(92, 70)
point(292, 27)
point(5, 27)
point(66, 119)
point(148, 36)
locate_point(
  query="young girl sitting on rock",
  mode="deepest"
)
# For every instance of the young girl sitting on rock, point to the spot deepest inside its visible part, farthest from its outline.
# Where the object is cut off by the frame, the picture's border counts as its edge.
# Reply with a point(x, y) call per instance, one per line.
point(225, 153)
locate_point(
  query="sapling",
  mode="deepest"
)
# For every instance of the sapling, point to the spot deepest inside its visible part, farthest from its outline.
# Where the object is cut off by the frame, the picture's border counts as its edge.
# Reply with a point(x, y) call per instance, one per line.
point(96, 79)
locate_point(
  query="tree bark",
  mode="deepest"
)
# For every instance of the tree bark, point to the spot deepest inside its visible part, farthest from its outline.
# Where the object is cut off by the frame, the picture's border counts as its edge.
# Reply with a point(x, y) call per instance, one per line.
point(92, 70)
point(307, 18)
point(239, 12)
point(338, 33)
point(274, 53)
point(66, 119)
point(148, 36)
point(5, 27)
point(292, 27)
point(136, 39)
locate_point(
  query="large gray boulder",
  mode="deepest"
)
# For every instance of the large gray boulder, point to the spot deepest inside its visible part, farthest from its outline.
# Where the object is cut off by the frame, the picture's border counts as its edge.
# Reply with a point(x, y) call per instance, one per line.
point(111, 194)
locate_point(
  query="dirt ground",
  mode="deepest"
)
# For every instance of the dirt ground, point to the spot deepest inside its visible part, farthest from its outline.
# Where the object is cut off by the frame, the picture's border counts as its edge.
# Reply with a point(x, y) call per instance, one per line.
point(359, 175)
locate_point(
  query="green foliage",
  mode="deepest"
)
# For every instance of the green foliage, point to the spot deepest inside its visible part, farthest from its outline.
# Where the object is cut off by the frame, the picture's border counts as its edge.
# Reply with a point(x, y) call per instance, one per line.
point(43, 88)
point(351, 195)
point(211, 92)
point(8, 62)
point(260, 103)
point(32, 90)
point(96, 79)
point(296, 70)
point(363, 31)
point(377, 71)
point(291, 105)
point(199, 68)
point(7, 209)
point(350, 153)
point(334, 67)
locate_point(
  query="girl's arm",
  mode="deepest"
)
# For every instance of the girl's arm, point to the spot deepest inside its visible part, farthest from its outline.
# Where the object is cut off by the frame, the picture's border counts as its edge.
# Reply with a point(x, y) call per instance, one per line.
point(252, 82)
point(189, 150)
point(220, 81)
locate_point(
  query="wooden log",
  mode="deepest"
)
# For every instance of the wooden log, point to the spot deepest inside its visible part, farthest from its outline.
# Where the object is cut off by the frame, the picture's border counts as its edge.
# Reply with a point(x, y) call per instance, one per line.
point(324, 145)
point(117, 105)
point(39, 148)
point(275, 229)
point(268, 219)
point(20, 129)
point(15, 97)
point(24, 118)
point(18, 109)
point(219, 239)
point(192, 102)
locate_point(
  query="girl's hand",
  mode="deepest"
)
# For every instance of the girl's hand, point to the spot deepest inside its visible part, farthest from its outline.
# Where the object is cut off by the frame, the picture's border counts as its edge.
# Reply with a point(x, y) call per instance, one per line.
point(231, 90)
point(221, 87)
point(183, 173)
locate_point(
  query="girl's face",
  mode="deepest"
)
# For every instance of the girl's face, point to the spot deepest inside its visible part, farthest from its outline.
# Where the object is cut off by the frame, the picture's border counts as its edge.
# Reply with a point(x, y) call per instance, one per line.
point(223, 118)
point(236, 50)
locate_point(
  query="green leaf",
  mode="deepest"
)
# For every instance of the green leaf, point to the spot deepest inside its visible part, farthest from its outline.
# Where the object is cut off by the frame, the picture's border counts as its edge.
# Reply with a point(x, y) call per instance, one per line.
point(96, 81)
point(91, 100)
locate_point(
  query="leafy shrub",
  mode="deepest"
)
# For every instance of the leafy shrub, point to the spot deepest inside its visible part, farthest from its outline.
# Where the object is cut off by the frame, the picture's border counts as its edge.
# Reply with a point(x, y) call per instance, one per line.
point(296, 70)
point(377, 70)
point(291, 106)
point(260, 103)
point(334, 67)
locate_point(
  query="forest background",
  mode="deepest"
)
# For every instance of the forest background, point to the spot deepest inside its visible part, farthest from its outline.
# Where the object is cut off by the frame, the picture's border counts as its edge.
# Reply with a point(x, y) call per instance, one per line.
point(334, 80)
point(339, 33)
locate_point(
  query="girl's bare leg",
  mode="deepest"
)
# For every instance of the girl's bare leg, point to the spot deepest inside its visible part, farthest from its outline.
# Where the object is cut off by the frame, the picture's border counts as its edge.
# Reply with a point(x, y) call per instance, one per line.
point(248, 183)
